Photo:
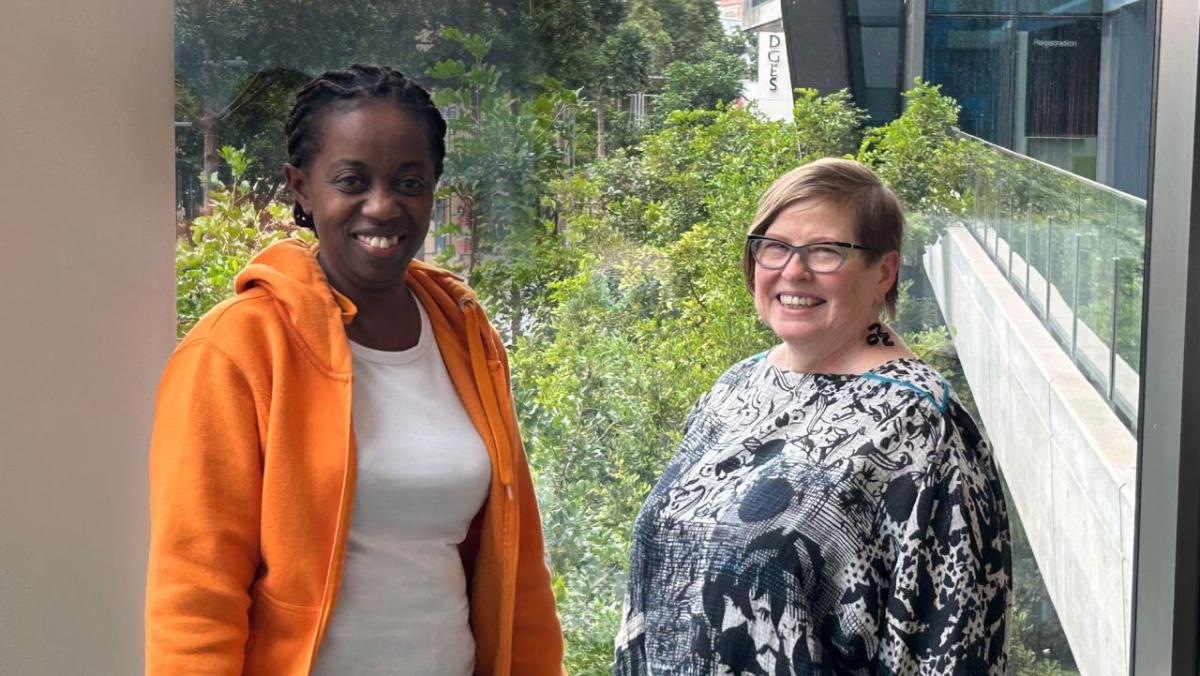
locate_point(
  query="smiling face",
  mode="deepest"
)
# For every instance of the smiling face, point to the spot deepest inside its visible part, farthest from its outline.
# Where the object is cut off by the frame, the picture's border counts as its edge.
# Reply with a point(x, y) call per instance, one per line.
point(369, 189)
point(821, 314)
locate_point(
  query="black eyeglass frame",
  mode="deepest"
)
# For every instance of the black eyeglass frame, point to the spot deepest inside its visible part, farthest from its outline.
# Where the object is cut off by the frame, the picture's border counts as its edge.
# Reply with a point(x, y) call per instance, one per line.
point(794, 249)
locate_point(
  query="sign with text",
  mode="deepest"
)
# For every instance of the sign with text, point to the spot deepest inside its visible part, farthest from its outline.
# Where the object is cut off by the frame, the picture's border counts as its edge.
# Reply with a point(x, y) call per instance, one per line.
point(1063, 83)
point(774, 81)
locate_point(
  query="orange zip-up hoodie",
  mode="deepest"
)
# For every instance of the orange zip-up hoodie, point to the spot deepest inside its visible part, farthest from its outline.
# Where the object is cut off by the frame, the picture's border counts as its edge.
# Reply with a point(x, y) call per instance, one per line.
point(252, 475)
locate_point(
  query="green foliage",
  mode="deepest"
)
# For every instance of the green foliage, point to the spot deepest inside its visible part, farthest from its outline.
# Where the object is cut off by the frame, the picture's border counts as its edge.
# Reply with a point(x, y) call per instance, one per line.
point(687, 29)
point(562, 29)
point(715, 78)
point(230, 54)
point(697, 150)
point(826, 126)
point(221, 242)
point(503, 154)
point(625, 60)
point(257, 124)
point(918, 155)
point(503, 149)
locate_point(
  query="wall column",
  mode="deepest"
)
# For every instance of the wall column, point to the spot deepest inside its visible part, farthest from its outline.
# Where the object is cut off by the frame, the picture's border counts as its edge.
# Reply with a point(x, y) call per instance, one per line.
point(86, 250)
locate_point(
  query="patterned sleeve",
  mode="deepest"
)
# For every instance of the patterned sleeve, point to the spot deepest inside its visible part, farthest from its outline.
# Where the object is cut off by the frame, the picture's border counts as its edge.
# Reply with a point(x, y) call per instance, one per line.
point(946, 610)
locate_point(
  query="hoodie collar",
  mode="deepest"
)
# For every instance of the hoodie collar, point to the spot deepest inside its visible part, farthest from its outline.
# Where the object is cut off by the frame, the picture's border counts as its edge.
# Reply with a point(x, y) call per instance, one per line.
point(318, 313)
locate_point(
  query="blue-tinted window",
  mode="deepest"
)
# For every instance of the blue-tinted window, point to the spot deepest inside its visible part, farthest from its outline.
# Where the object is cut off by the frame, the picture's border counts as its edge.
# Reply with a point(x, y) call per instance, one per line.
point(1061, 7)
point(969, 7)
point(972, 59)
point(874, 43)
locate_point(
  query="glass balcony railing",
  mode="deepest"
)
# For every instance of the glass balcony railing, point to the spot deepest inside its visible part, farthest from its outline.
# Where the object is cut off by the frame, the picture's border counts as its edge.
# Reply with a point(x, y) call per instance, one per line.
point(1074, 250)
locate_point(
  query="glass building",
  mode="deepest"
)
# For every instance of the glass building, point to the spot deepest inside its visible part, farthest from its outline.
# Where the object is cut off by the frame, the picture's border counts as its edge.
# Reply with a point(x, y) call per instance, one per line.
point(1064, 82)
point(1067, 83)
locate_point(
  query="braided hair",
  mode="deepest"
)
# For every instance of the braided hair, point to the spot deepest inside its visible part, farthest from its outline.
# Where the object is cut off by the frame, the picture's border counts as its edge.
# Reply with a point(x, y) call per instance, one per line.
point(344, 87)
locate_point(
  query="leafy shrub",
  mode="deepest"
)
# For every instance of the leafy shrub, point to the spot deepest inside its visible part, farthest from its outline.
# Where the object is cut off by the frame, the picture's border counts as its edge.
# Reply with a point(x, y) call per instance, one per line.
point(919, 156)
point(826, 126)
point(215, 246)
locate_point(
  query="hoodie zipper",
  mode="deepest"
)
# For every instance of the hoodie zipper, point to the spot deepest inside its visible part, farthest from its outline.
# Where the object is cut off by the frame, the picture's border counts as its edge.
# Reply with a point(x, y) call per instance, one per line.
point(337, 556)
point(483, 368)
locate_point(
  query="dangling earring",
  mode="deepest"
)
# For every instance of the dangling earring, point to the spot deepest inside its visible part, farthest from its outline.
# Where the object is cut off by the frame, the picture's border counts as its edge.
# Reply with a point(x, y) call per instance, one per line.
point(302, 217)
point(876, 335)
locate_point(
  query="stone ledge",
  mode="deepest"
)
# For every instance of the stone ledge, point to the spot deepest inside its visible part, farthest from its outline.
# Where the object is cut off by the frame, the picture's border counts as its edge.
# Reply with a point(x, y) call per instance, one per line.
point(1069, 461)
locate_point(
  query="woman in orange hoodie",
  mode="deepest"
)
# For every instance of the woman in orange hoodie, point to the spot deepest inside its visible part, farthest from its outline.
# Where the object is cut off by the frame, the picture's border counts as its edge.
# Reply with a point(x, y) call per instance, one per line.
point(337, 481)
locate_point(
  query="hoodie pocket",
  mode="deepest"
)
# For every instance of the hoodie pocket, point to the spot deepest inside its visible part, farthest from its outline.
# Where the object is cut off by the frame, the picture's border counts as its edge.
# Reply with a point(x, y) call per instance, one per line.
point(281, 637)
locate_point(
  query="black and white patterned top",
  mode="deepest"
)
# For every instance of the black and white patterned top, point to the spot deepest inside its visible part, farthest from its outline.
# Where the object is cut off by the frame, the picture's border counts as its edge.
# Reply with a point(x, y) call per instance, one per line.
point(821, 524)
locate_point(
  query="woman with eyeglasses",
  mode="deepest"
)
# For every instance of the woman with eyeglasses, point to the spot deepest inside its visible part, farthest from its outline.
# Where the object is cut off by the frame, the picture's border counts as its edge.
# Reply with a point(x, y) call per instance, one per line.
point(832, 508)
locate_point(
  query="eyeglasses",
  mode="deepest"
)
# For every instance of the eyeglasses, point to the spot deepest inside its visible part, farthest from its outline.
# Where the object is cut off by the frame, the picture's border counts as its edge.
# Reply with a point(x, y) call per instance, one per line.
point(774, 254)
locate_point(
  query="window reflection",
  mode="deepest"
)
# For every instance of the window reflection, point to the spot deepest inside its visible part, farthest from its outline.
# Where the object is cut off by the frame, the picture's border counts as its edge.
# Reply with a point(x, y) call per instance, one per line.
point(972, 58)
point(587, 160)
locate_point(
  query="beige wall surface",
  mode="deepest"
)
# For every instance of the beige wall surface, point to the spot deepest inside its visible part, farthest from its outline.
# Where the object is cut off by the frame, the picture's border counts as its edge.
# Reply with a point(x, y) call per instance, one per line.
point(86, 241)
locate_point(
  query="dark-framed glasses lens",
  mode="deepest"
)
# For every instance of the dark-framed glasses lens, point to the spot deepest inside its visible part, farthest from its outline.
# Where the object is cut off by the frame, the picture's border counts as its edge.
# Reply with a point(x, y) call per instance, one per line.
point(770, 254)
point(825, 258)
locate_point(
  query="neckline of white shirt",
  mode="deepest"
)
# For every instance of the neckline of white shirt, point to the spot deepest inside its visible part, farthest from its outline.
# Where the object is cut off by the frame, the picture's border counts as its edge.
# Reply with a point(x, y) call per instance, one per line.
point(398, 356)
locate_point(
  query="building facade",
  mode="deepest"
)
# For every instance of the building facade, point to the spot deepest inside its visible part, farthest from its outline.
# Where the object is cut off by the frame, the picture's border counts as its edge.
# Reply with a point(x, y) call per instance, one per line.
point(1066, 82)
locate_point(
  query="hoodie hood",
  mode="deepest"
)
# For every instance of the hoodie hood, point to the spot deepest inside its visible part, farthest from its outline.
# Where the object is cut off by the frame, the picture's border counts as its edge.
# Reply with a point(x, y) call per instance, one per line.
point(288, 271)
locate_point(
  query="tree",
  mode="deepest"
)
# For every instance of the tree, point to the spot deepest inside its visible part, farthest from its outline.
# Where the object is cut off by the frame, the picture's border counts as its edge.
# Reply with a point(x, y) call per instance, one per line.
point(230, 54)
point(498, 146)
point(624, 69)
point(502, 152)
point(688, 29)
point(701, 85)
point(827, 126)
point(918, 154)
point(258, 125)
point(569, 36)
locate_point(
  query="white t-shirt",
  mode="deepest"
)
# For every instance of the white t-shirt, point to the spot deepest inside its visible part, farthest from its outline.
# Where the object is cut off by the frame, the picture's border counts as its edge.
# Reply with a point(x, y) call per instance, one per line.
point(423, 475)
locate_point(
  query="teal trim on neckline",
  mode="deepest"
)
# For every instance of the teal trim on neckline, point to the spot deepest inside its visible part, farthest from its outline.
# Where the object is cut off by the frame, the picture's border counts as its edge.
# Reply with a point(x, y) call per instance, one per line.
point(941, 405)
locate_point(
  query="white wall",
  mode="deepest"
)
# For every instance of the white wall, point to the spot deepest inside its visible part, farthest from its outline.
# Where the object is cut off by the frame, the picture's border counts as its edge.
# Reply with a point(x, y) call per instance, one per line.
point(1067, 459)
point(86, 241)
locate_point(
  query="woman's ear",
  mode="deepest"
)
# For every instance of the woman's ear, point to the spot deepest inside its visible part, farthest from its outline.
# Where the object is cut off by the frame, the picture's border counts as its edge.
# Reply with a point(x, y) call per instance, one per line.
point(297, 180)
point(889, 269)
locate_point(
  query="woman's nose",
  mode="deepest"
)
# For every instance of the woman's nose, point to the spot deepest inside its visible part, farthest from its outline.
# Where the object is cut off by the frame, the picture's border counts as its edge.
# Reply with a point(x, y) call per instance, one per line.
point(796, 268)
point(381, 205)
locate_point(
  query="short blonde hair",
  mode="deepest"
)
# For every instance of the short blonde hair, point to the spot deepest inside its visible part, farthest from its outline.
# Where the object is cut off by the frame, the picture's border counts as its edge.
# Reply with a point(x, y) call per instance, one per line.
point(846, 185)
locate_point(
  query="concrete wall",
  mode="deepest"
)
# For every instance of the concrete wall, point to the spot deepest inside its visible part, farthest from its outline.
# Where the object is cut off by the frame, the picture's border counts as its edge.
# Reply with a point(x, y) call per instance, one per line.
point(1068, 461)
point(766, 16)
point(86, 242)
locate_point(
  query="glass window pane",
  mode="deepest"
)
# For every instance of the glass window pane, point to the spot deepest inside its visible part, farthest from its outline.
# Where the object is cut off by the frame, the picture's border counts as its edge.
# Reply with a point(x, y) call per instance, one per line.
point(1059, 62)
point(579, 207)
point(969, 6)
point(1066, 7)
point(972, 60)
